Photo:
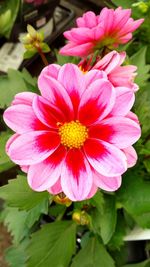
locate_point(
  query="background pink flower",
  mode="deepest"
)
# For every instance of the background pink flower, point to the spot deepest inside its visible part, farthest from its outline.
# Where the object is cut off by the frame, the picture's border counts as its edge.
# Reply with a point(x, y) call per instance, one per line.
point(118, 75)
point(74, 138)
point(109, 29)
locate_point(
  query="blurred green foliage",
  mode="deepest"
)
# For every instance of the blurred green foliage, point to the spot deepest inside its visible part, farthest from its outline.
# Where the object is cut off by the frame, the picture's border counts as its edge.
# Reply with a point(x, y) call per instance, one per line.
point(43, 232)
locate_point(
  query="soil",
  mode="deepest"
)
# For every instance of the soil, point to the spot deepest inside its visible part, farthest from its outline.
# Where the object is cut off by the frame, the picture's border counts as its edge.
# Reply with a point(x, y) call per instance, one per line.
point(5, 242)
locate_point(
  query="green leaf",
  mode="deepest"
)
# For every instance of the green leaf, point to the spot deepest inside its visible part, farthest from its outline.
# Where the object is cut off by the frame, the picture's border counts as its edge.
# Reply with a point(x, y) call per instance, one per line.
point(124, 4)
point(29, 54)
point(97, 208)
point(145, 150)
point(4, 21)
point(28, 78)
point(97, 201)
point(108, 218)
point(31, 82)
point(143, 219)
point(20, 222)
point(139, 59)
point(103, 215)
point(147, 164)
point(16, 223)
point(93, 254)
point(53, 245)
point(18, 194)
point(134, 196)
point(15, 256)
point(117, 239)
point(45, 48)
point(142, 108)
point(141, 264)
point(5, 162)
point(56, 210)
point(11, 85)
point(85, 238)
point(35, 213)
point(13, 6)
point(61, 60)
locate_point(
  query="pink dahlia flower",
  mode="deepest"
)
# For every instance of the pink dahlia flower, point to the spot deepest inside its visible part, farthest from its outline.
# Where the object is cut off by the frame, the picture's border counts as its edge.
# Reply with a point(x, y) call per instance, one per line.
point(118, 75)
point(109, 29)
point(75, 137)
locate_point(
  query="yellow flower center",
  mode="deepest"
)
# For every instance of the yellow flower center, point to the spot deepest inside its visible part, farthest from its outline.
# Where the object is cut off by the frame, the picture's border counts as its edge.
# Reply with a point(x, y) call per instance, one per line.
point(83, 70)
point(73, 134)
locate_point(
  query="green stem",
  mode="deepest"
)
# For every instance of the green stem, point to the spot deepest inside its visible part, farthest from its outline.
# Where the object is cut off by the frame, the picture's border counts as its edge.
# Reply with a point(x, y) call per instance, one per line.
point(43, 57)
point(60, 216)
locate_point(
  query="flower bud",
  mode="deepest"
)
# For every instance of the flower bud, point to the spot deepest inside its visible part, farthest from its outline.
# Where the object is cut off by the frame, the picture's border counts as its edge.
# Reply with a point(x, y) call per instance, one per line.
point(81, 217)
point(32, 32)
point(33, 39)
point(62, 199)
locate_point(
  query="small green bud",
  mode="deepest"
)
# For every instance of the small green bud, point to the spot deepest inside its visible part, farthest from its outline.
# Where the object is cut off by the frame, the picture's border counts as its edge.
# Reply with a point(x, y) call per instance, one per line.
point(32, 32)
point(62, 199)
point(81, 217)
point(33, 40)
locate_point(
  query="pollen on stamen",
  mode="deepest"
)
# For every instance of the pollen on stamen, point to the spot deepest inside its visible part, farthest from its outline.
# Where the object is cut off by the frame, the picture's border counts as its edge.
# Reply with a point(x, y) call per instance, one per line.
point(73, 134)
point(83, 70)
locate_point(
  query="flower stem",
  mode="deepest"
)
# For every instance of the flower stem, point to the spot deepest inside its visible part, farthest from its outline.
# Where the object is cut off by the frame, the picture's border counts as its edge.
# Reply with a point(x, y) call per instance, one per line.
point(43, 57)
point(60, 216)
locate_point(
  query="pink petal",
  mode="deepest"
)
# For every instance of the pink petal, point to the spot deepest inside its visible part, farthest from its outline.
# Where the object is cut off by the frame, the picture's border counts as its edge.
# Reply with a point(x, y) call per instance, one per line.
point(121, 132)
point(131, 156)
point(51, 70)
point(136, 24)
point(107, 183)
point(94, 75)
point(103, 15)
point(113, 20)
point(109, 22)
point(97, 102)
point(45, 174)
point(130, 26)
point(81, 22)
point(33, 147)
point(79, 35)
point(24, 168)
point(123, 76)
point(48, 114)
point(133, 117)
point(56, 188)
point(79, 50)
point(90, 19)
point(21, 119)
point(98, 34)
point(121, 17)
point(72, 78)
point(52, 90)
point(76, 177)
point(135, 87)
point(108, 62)
point(24, 98)
point(105, 158)
point(125, 38)
point(10, 141)
point(122, 57)
point(124, 101)
point(93, 191)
